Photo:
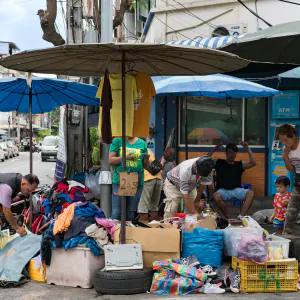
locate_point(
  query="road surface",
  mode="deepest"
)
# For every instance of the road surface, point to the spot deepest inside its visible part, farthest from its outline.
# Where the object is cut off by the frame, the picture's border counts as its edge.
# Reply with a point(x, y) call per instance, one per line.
point(20, 164)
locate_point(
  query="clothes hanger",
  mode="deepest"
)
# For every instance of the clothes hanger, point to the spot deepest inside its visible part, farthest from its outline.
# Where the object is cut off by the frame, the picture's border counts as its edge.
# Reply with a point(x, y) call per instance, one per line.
point(131, 70)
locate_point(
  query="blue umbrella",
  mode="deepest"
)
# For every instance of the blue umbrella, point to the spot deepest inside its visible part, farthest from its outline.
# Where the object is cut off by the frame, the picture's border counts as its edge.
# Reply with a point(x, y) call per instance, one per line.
point(215, 86)
point(35, 95)
point(47, 94)
point(294, 73)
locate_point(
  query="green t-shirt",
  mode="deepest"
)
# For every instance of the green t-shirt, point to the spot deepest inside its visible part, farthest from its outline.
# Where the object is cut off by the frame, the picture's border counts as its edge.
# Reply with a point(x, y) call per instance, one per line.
point(136, 150)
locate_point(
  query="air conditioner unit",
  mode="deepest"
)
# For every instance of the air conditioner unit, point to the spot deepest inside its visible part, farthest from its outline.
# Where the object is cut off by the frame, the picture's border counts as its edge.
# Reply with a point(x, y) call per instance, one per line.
point(229, 29)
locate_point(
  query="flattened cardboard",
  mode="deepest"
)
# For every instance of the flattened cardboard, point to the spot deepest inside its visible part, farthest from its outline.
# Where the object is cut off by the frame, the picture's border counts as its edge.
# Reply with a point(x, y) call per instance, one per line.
point(157, 243)
point(209, 223)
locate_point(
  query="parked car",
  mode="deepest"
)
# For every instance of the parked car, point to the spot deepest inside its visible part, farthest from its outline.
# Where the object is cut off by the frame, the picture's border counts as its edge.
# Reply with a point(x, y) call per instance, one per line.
point(50, 147)
point(6, 149)
point(13, 147)
point(2, 155)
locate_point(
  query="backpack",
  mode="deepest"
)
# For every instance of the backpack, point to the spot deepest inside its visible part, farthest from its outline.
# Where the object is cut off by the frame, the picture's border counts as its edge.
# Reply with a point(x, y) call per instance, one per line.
point(154, 167)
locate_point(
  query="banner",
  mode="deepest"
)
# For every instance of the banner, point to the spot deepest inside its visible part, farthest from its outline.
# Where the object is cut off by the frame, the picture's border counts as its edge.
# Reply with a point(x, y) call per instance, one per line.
point(61, 160)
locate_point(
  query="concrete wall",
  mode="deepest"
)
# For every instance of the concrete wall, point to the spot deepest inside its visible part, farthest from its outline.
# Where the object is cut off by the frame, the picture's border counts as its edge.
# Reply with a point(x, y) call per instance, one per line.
point(177, 15)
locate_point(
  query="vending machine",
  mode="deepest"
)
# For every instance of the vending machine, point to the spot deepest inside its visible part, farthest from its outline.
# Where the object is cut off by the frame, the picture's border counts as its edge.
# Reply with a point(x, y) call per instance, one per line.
point(284, 109)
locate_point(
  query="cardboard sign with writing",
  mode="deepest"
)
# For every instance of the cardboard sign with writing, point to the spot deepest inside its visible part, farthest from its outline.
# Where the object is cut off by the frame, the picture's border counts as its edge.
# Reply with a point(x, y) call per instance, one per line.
point(128, 184)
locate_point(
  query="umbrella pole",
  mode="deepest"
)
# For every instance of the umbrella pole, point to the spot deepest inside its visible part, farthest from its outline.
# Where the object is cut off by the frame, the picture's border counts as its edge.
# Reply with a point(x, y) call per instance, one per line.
point(185, 127)
point(123, 201)
point(30, 152)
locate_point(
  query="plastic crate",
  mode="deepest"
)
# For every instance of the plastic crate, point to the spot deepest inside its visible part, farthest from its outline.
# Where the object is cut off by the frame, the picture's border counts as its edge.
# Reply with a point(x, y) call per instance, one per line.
point(278, 242)
point(35, 274)
point(268, 277)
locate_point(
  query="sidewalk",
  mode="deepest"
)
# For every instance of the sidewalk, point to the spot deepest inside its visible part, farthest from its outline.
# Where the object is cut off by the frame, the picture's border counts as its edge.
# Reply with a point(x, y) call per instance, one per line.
point(33, 291)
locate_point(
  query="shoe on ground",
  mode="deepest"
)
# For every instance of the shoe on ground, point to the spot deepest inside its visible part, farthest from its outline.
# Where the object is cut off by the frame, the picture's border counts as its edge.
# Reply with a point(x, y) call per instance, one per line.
point(235, 281)
point(211, 289)
point(190, 261)
point(208, 270)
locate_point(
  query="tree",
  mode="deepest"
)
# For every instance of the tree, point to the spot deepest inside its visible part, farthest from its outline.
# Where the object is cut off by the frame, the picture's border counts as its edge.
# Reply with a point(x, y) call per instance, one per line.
point(48, 17)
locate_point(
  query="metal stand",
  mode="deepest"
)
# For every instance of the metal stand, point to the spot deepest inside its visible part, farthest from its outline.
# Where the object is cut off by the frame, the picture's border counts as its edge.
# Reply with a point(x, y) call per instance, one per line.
point(123, 203)
point(30, 151)
point(185, 128)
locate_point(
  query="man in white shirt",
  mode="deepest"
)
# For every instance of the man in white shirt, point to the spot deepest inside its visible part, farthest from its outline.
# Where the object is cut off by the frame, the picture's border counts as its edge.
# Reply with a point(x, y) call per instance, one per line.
point(181, 182)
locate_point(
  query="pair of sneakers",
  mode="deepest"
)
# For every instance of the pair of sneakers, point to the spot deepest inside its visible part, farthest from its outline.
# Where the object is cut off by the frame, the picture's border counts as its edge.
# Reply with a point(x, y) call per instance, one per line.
point(232, 280)
point(194, 262)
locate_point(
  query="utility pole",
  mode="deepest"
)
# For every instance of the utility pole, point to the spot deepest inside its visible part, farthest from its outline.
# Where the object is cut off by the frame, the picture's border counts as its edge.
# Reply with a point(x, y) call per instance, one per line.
point(75, 131)
point(106, 37)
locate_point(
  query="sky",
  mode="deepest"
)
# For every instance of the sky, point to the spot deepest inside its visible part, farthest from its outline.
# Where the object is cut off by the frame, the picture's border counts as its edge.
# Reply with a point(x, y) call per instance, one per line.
point(21, 25)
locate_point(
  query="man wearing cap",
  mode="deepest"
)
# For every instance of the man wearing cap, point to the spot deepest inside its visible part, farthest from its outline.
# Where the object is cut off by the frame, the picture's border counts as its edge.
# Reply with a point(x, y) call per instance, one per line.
point(181, 182)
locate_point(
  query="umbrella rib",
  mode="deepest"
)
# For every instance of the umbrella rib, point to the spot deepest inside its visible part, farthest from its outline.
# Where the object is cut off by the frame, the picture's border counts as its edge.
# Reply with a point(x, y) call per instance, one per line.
point(22, 97)
point(37, 100)
point(12, 93)
point(172, 63)
point(79, 103)
point(52, 83)
point(59, 104)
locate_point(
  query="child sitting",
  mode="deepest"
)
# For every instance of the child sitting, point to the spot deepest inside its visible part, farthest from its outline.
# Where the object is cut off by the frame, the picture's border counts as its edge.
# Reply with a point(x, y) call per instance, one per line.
point(281, 201)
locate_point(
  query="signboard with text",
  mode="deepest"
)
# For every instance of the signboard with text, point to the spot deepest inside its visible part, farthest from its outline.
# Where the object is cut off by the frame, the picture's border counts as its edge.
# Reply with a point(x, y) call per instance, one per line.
point(285, 105)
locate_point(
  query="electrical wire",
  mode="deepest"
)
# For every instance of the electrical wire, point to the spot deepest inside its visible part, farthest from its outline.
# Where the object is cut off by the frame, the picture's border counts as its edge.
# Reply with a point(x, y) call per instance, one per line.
point(253, 13)
point(290, 2)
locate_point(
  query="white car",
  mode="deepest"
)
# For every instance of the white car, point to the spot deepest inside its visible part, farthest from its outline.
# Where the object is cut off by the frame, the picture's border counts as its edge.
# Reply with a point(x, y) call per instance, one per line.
point(2, 155)
point(13, 147)
point(7, 151)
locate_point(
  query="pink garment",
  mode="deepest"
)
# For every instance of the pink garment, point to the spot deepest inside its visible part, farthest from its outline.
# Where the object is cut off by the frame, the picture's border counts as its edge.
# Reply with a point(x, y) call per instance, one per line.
point(108, 225)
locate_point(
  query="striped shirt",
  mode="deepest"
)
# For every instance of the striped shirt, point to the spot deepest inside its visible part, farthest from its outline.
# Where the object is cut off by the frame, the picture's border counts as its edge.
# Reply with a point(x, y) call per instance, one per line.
point(184, 176)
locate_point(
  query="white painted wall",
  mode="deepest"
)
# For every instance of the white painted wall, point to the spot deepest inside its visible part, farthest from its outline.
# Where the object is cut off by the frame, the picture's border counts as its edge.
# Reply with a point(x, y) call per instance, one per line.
point(221, 12)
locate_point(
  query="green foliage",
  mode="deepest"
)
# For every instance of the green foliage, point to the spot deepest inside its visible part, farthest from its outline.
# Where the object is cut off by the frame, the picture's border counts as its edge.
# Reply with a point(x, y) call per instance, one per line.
point(43, 133)
point(142, 3)
point(94, 138)
point(96, 156)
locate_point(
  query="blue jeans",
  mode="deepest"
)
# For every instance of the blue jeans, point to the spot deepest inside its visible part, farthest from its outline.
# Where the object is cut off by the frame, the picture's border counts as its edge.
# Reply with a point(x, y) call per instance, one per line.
point(131, 203)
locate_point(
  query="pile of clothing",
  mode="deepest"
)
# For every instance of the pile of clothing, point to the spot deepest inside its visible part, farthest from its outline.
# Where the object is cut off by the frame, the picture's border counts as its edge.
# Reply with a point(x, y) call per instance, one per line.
point(80, 223)
point(62, 194)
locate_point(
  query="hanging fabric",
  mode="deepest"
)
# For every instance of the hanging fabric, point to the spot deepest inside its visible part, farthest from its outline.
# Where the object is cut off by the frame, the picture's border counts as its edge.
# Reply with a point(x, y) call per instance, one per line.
point(106, 103)
point(146, 91)
point(116, 111)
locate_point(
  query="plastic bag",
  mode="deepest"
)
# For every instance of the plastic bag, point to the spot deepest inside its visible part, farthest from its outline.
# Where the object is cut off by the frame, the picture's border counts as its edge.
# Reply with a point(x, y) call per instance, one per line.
point(252, 248)
point(207, 245)
point(92, 182)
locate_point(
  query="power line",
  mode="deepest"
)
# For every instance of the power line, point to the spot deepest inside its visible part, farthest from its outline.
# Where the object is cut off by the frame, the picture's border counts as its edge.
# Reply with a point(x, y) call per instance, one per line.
point(253, 13)
point(290, 2)
point(171, 27)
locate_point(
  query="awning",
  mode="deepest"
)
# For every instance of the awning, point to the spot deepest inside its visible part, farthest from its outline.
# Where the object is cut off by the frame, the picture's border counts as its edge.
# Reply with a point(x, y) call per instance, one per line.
point(211, 42)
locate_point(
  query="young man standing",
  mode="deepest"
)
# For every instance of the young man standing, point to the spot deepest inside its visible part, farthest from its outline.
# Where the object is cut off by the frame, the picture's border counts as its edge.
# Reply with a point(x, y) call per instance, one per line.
point(229, 179)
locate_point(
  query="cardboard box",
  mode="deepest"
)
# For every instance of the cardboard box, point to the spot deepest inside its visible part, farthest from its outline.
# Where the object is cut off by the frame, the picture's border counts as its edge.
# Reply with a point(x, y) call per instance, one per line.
point(157, 243)
point(209, 223)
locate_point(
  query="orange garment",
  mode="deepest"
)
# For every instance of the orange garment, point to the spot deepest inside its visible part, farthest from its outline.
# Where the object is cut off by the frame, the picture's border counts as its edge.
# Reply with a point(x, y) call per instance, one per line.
point(63, 221)
point(146, 91)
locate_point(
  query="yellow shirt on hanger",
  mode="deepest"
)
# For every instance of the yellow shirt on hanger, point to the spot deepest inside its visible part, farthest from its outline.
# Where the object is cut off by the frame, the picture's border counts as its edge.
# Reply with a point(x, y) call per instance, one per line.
point(116, 111)
point(146, 91)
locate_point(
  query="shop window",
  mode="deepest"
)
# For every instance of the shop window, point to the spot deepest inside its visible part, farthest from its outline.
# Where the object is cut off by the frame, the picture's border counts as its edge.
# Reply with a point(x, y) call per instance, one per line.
point(255, 121)
point(219, 121)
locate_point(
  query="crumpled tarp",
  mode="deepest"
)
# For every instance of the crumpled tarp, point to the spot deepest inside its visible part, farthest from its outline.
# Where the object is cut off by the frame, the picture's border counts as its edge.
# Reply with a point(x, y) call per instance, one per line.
point(173, 278)
point(15, 256)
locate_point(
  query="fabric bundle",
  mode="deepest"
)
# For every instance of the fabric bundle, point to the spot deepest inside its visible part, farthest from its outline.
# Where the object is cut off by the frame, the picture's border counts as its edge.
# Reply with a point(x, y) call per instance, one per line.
point(172, 278)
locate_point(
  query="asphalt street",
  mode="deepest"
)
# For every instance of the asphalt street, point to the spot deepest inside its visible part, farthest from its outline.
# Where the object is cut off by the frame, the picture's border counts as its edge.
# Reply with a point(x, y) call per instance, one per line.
point(20, 164)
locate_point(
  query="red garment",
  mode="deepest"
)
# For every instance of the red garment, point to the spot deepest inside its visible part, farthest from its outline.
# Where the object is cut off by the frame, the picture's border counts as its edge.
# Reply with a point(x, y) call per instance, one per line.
point(64, 207)
point(77, 188)
point(63, 188)
point(280, 208)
